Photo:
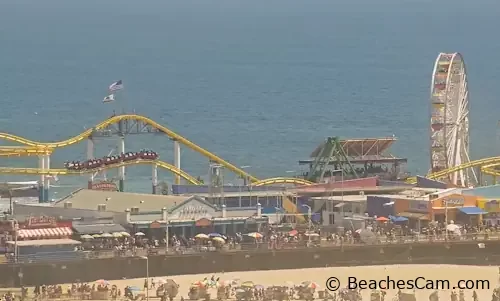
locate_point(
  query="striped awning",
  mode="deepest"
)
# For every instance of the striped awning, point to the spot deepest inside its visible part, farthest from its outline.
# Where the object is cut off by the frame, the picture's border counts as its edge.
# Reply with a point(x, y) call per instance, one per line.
point(45, 232)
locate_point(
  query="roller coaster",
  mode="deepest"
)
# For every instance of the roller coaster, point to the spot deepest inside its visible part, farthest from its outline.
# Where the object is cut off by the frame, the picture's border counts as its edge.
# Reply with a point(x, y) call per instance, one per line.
point(35, 148)
point(32, 148)
point(64, 171)
point(487, 166)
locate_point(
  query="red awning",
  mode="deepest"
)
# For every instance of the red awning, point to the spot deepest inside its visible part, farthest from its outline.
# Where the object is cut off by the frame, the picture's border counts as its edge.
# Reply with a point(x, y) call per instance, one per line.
point(45, 232)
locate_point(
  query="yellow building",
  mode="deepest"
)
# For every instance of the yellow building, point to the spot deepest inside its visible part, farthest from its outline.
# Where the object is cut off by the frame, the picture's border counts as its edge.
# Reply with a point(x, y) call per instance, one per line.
point(492, 207)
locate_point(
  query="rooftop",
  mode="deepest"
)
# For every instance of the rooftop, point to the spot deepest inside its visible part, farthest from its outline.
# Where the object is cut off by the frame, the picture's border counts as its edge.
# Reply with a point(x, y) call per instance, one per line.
point(246, 193)
point(373, 148)
point(44, 242)
point(119, 201)
point(345, 198)
point(367, 190)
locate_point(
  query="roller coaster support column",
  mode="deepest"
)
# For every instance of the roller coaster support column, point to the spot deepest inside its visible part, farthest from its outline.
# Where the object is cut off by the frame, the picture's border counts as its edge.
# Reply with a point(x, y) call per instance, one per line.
point(46, 185)
point(154, 178)
point(90, 156)
point(122, 169)
point(43, 185)
point(177, 160)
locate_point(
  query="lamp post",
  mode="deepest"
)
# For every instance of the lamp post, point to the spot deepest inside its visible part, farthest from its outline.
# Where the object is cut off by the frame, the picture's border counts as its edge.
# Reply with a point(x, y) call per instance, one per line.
point(167, 236)
point(245, 181)
point(147, 275)
point(309, 215)
point(16, 229)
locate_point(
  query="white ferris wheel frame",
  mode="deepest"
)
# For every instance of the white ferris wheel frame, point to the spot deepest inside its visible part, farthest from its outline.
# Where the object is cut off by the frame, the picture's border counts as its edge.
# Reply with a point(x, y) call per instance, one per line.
point(449, 120)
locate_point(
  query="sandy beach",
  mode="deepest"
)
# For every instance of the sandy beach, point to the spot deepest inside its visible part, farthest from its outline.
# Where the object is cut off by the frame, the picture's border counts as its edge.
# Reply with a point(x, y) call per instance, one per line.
point(452, 273)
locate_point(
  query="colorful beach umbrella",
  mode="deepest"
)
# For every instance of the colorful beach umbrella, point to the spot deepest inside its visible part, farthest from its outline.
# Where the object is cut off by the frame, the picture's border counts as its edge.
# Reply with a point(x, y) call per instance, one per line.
point(247, 284)
point(219, 239)
point(309, 284)
point(255, 235)
point(102, 282)
point(202, 236)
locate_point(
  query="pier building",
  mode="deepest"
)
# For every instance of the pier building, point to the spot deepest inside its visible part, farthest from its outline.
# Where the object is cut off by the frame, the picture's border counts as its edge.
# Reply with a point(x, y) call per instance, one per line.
point(336, 159)
point(148, 213)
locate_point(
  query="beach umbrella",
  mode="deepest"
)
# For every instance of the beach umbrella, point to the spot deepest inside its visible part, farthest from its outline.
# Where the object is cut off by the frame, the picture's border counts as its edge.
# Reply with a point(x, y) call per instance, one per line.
point(126, 234)
point(453, 227)
point(134, 288)
point(96, 236)
point(139, 234)
point(247, 284)
point(117, 234)
point(219, 239)
point(382, 219)
point(309, 284)
point(214, 235)
point(102, 282)
point(106, 235)
point(312, 234)
point(293, 233)
point(201, 236)
point(255, 235)
point(197, 284)
point(86, 236)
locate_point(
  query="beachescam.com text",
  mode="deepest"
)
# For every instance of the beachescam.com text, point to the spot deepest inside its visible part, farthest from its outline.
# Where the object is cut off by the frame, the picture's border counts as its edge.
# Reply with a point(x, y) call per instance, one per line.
point(417, 283)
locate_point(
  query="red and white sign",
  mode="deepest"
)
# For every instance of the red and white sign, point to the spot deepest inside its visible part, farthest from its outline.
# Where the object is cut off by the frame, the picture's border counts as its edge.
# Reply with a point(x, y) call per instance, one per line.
point(41, 221)
point(105, 186)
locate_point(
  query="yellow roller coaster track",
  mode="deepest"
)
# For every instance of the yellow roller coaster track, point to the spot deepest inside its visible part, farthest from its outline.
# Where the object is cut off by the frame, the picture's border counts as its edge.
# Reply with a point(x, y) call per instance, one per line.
point(19, 151)
point(116, 119)
point(282, 181)
point(63, 171)
point(487, 166)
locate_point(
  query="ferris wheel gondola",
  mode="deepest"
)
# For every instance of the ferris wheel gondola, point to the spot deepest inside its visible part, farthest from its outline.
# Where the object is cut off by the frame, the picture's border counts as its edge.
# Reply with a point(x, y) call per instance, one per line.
point(450, 118)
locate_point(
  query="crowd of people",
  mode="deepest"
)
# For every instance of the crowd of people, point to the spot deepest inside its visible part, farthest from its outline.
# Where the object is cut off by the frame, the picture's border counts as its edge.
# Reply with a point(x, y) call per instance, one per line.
point(277, 238)
point(108, 160)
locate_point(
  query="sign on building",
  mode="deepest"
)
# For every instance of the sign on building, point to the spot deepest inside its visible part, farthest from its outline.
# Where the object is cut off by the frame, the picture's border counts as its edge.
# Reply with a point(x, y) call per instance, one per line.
point(41, 222)
point(105, 186)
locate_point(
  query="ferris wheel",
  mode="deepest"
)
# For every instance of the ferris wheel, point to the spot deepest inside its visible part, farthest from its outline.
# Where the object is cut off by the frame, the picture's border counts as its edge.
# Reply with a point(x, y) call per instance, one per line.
point(450, 117)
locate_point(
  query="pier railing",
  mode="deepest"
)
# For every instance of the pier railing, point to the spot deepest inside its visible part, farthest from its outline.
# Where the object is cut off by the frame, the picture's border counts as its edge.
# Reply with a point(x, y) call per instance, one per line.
point(251, 247)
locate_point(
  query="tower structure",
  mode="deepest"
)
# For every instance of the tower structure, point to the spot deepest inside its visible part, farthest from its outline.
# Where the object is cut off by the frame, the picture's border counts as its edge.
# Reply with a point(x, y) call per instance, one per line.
point(216, 184)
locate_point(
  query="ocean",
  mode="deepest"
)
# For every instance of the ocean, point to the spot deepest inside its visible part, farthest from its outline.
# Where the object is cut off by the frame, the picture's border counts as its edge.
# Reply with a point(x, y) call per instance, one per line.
point(259, 83)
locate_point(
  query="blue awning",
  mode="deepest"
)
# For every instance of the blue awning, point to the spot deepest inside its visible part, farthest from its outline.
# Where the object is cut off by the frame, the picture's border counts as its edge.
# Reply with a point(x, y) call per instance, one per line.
point(396, 219)
point(472, 210)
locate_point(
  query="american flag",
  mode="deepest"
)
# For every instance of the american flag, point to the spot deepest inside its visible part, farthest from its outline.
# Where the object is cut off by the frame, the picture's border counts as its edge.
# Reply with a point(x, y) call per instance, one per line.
point(118, 85)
